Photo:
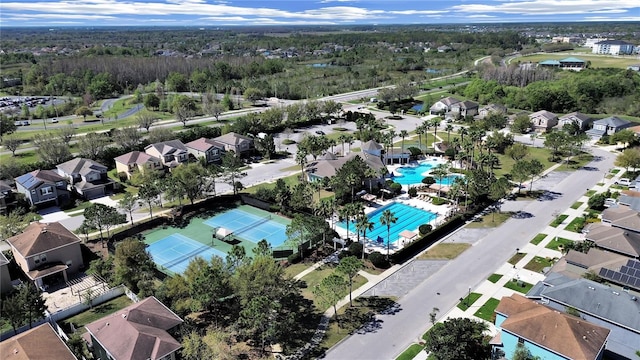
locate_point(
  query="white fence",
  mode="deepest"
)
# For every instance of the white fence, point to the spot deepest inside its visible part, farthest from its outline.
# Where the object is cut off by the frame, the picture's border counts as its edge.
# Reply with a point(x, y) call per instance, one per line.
point(73, 310)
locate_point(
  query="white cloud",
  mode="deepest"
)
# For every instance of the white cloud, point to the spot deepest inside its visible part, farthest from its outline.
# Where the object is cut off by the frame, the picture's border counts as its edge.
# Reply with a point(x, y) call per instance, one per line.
point(548, 7)
point(481, 16)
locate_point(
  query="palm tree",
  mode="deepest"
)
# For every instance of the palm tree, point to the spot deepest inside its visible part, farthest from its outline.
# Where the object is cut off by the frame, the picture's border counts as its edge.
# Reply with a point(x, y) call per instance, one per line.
point(343, 139)
point(352, 180)
point(449, 128)
point(371, 174)
point(391, 134)
point(387, 218)
point(420, 131)
point(440, 172)
point(301, 159)
point(350, 139)
point(435, 122)
point(404, 133)
point(363, 225)
point(463, 131)
point(348, 212)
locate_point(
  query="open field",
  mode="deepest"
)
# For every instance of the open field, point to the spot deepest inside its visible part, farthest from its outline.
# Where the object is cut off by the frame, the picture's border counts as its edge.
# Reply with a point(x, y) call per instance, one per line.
point(445, 251)
point(597, 61)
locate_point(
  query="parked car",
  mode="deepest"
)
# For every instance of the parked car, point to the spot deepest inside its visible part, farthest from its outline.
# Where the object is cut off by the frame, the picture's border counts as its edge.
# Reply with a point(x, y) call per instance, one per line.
point(623, 182)
point(610, 202)
point(319, 132)
point(25, 123)
point(54, 121)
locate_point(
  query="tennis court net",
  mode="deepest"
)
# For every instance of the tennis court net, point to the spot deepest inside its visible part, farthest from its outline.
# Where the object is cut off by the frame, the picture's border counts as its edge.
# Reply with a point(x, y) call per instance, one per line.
point(252, 225)
point(184, 257)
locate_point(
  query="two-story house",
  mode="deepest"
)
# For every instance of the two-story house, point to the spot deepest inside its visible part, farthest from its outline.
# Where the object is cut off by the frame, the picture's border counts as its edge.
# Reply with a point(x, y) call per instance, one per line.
point(43, 188)
point(136, 161)
point(39, 343)
point(464, 108)
point(171, 153)
point(43, 250)
point(581, 120)
point(205, 148)
point(237, 143)
point(545, 332)
point(543, 120)
point(608, 126)
point(443, 105)
point(87, 177)
point(139, 331)
point(599, 304)
point(487, 110)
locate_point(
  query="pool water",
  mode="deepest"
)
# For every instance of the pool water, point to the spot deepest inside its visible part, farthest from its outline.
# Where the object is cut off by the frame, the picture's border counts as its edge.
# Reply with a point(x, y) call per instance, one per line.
point(409, 218)
point(410, 175)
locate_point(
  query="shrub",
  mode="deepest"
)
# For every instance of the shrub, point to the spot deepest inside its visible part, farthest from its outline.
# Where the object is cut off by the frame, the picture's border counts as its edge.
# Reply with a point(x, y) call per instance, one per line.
point(450, 153)
point(438, 201)
point(396, 188)
point(414, 151)
point(425, 229)
point(293, 258)
point(378, 260)
point(355, 249)
point(597, 201)
point(412, 192)
point(429, 180)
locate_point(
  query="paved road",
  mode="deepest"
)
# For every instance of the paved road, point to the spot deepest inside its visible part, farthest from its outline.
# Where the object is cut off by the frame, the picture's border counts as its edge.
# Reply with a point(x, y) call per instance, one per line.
point(442, 289)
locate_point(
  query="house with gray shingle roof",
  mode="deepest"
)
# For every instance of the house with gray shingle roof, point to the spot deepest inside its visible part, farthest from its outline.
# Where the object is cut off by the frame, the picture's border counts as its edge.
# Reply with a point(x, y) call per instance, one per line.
point(583, 121)
point(602, 305)
point(464, 108)
point(543, 120)
point(205, 148)
point(608, 126)
point(43, 188)
point(615, 239)
point(545, 332)
point(443, 105)
point(487, 110)
point(237, 143)
point(87, 177)
point(171, 153)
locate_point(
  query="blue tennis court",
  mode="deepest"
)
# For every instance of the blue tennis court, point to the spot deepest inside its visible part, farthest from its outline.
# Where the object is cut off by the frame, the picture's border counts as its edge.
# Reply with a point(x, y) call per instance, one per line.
point(175, 251)
point(251, 227)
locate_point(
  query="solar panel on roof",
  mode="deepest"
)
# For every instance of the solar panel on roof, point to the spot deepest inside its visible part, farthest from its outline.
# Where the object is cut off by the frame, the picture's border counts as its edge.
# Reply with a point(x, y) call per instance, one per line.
point(625, 269)
point(616, 276)
point(625, 278)
point(603, 272)
point(634, 264)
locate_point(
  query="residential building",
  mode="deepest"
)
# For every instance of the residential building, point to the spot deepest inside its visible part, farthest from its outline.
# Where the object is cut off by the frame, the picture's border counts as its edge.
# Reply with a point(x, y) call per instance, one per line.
point(599, 304)
point(464, 108)
point(87, 177)
point(591, 42)
point(45, 251)
point(626, 276)
point(171, 153)
point(136, 161)
point(443, 105)
point(329, 164)
point(237, 143)
point(613, 47)
point(583, 121)
point(43, 188)
point(39, 343)
point(543, 120)
point(5, 277)
point(485, 111)
point(205, 148)
point(575, 263)
point(139, 331)
point(608, 126)
point(615, 238)
point(545, 332)
point(7, 198)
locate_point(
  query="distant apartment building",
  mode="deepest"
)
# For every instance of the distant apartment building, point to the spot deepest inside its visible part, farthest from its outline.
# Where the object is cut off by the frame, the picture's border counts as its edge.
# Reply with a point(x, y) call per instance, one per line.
point(613, 47)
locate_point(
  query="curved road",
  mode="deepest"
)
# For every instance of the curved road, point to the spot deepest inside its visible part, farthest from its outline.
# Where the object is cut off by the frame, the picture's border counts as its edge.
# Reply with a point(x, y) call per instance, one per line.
point(443, 289)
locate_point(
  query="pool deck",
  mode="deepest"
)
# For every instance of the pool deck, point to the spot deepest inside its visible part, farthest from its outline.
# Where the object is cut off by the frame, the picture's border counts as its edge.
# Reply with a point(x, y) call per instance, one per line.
point(440, 210)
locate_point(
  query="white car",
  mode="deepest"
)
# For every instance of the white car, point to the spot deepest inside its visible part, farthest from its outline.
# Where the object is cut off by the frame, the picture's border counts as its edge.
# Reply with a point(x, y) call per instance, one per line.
point(54, 121)
point(610, 202)
point(623, 182)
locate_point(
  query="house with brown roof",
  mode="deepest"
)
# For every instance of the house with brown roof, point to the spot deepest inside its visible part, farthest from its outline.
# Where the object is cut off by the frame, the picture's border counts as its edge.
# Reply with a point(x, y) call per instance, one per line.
point(623, 217)
point(139, 331)
point(136, 161)
point(205, 148)
point(601, 304)
point(237, 143)
point(329, 164)
point(46, 250)
point(615, 239)
point(171, 153)
point(543, 120)
point(575, 263)
point(86, 177)
point(5, 277)
point(43, 188)
point(545, 332)
point(39, 343)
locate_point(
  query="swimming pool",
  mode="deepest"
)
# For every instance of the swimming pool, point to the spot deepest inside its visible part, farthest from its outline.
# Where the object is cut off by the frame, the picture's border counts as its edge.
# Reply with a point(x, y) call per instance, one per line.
point(410, 175)
point(409, 218)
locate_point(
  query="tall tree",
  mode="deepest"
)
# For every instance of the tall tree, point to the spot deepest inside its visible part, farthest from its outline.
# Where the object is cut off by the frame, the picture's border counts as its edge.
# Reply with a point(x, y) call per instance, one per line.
point(145, 120)
point(127, 137)
point(66, 133)
point(403, 134)
point(192, 179)
point(387, 219)
point(11, 143)
point(102, 216)
point(349, 266)
point(517, 151)
point(32, 301)
point(498, 190)
point(128, 204)
point(329, 291)
point(133, 266)
point(51, 150)
point(149, 194)
point(13, 311)
point(232, 165)
point(363, 225)
point(458, 339)
point(92, 145)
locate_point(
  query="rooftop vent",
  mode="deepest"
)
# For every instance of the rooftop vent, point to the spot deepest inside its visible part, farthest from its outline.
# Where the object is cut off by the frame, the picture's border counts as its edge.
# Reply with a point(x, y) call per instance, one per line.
point(591, 288)
point(124, 316)
point(615, 293)
point(633, 298)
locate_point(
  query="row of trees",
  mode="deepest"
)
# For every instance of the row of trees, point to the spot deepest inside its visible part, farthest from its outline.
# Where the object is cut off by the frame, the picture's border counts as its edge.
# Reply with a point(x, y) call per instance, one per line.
point(24, 306)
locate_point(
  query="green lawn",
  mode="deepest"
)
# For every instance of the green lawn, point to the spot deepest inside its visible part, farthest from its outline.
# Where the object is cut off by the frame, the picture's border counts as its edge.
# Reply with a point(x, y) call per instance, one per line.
point(576, 205)
point(411, 352)
point(295, 269)
point(597, 61)
point(494, 278)
point(576, 225)
point(490, 220)
point(536, 240)
point(315, 277)
point(517, 257)
point(590, 193)
point(506, 163)
point(558, 242)
point(514, 285)
point(558, 220)
point(538, 263)
point(468, 301)
point(487, 311)
point(91, 315)
point(445, 251)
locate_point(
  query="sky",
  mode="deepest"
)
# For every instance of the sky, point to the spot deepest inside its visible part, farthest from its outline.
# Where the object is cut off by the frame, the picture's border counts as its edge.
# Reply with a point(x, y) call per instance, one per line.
point(216, 13)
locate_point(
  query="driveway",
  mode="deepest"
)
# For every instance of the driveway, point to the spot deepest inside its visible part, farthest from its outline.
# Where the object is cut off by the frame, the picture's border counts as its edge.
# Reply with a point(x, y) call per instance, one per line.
point(451, 281)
